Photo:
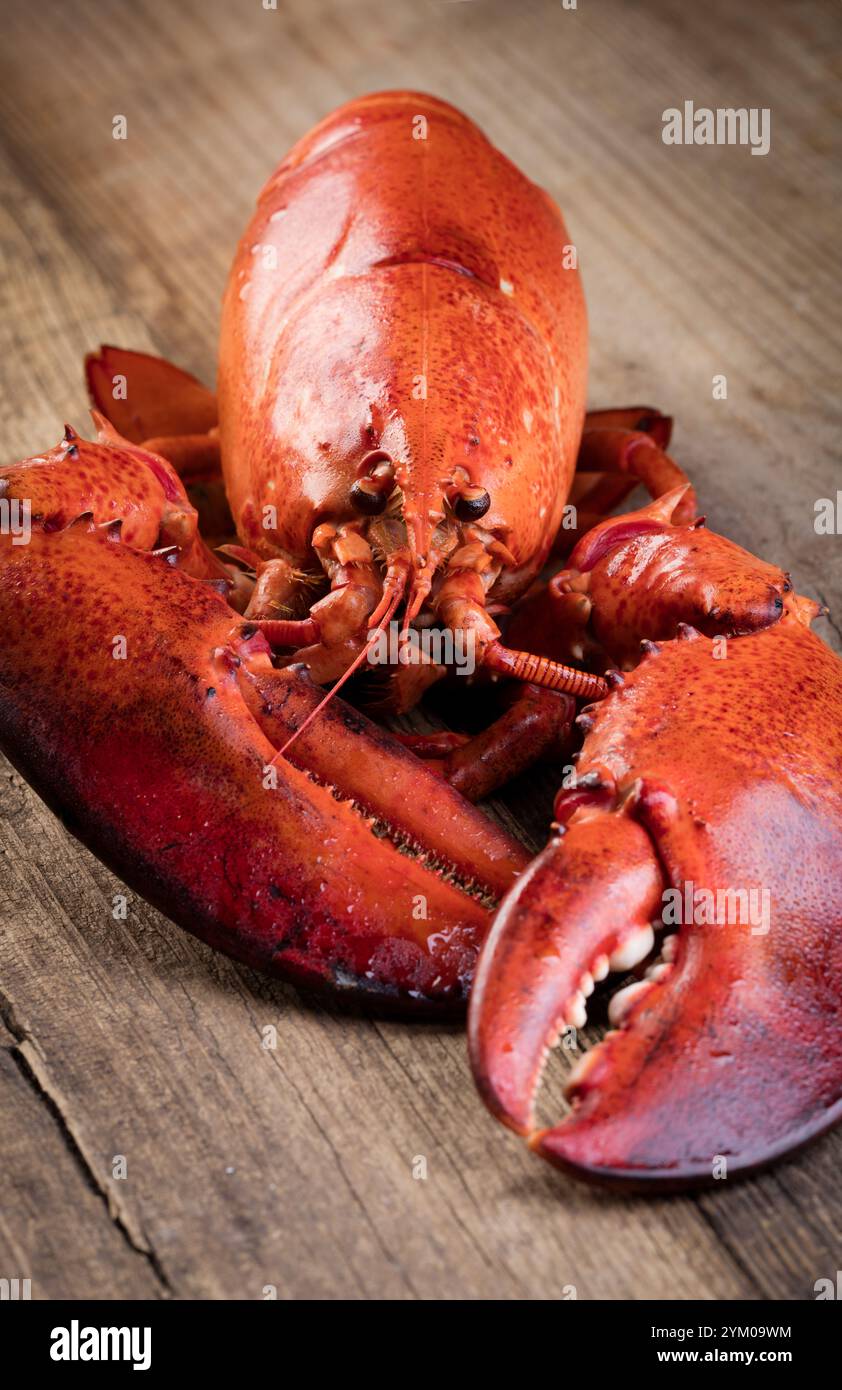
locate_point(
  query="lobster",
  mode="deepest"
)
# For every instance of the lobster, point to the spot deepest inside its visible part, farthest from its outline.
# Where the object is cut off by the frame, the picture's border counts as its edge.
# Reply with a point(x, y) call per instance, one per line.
point(397, 439)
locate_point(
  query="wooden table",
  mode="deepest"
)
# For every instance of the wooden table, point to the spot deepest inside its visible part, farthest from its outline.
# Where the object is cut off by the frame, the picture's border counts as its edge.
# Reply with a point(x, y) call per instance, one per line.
point(248, 1166)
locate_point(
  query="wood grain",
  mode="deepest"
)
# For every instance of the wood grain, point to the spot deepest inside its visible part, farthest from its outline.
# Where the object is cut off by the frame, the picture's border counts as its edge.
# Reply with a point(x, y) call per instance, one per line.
point(291, 1167)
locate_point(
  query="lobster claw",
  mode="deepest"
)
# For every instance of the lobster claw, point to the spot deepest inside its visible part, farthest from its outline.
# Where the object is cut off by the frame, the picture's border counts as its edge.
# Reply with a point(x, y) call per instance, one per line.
point(709, 796)
point(148, 715)
point(112, 480)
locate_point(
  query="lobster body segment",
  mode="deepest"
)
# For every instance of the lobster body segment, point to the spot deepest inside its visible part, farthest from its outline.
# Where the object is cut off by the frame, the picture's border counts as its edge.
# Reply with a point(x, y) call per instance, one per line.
point(402, 289)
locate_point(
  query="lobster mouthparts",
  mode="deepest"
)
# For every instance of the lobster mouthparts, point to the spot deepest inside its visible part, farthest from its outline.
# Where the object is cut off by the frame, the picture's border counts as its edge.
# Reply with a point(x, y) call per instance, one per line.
point(709, 796)
point(149, 716)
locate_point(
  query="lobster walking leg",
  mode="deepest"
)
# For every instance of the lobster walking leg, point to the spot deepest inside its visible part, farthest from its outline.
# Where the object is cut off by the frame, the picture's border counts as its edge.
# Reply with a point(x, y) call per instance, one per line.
point(646, 418)
point(536, 724)
point(621, 449)
point(639, 459)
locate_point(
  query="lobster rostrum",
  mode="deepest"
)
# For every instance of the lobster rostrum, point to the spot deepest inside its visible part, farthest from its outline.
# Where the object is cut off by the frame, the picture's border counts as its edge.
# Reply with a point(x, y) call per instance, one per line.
point(399, 417)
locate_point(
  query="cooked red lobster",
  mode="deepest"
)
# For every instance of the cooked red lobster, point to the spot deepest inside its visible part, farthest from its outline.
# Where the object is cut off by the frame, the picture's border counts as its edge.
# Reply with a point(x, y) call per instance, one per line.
point(399, 416)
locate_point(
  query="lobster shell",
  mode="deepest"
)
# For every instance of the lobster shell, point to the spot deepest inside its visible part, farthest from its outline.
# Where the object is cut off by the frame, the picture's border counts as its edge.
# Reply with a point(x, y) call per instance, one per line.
point(409, 295)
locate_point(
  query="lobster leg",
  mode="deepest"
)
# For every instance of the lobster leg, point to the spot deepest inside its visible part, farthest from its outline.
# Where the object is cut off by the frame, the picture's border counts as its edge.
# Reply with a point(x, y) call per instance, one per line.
point(637, 457)
point(633, 417)
point(537, 724)
point(624, 448)
point(195, 457)
point(436, 747)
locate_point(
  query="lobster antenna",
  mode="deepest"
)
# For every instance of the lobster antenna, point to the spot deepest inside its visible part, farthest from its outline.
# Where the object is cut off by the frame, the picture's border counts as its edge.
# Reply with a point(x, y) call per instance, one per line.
point(358, 661)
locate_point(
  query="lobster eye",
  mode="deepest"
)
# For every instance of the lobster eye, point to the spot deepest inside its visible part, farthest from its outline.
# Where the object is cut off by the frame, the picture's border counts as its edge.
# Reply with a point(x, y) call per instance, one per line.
point(471, 503)
point(368, 497)
point(371, 492)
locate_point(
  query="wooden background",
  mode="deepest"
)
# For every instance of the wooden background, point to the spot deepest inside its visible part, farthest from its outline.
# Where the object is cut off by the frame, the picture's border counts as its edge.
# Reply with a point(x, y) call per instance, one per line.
point(292, 1167)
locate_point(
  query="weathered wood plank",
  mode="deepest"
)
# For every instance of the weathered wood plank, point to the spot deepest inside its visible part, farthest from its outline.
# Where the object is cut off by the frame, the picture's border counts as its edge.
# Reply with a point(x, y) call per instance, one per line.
point(293, 1166)
point(60, 1228)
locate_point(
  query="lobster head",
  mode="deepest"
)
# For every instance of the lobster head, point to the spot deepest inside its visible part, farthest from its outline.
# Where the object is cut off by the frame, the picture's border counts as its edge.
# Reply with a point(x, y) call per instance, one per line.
point(449, 395)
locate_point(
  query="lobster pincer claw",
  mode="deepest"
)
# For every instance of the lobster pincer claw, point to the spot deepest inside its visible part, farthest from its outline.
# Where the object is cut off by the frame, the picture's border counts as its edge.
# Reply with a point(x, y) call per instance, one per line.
point(143, 710)
point(112, 480)
point(586, 901)
point(709, 806)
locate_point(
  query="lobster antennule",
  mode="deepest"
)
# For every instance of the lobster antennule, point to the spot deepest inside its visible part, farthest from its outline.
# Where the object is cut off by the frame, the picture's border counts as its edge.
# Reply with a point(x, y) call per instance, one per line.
point(359, 660)
point(540, 670)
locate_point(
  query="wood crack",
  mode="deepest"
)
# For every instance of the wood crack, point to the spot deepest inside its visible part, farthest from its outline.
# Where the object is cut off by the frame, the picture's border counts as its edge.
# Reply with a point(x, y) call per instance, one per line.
point(31, 1063)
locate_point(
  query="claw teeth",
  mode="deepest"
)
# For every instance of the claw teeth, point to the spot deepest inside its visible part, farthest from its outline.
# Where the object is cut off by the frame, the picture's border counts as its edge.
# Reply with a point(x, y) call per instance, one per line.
point(659, 971)
point(600, 968)
point(586, 984)
point(576, 1013)
point(580, 1071)
point(669, 947)
point(625, 999)
point(633, 949)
